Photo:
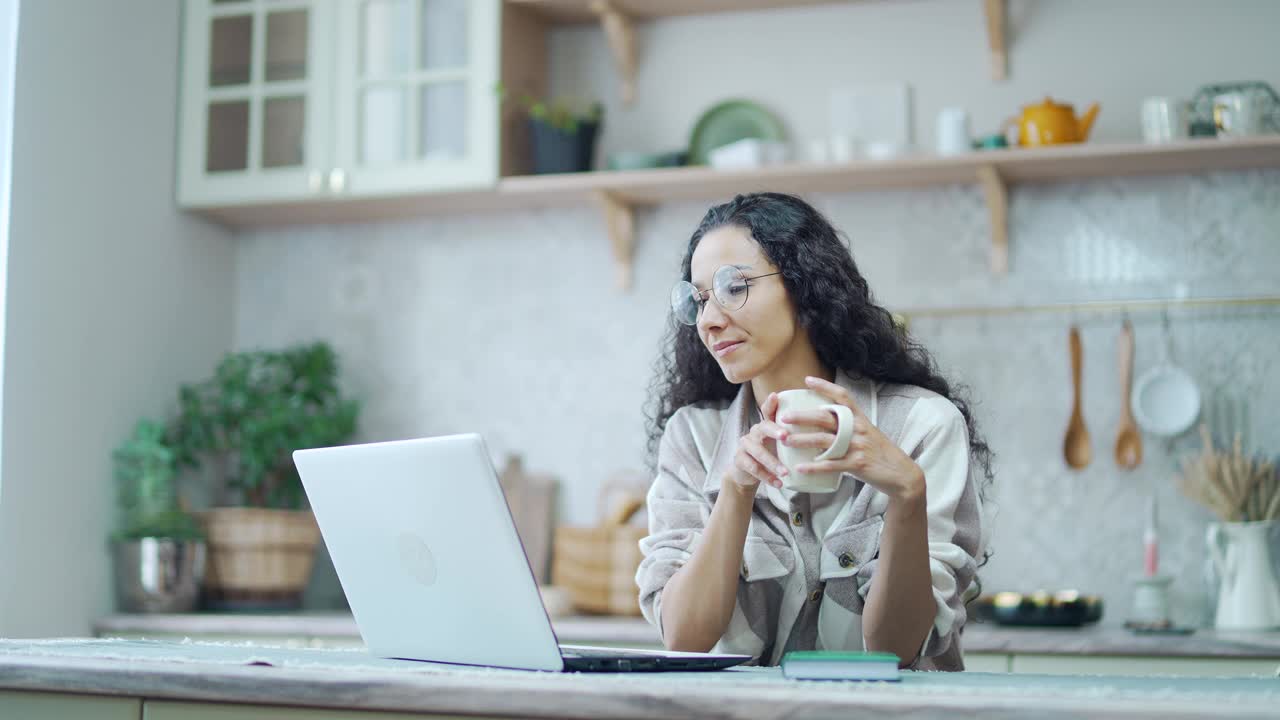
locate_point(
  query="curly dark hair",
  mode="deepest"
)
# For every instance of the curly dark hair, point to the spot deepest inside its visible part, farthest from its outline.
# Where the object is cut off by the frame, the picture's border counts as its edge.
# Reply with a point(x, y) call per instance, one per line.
point(833, 302)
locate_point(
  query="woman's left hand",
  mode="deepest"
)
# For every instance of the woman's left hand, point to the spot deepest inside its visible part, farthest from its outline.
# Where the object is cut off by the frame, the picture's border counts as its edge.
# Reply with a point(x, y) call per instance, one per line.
point(872, 457)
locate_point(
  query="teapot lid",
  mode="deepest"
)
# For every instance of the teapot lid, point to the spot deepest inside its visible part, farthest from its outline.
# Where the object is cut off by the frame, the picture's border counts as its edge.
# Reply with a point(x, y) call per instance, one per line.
point(1050, 104)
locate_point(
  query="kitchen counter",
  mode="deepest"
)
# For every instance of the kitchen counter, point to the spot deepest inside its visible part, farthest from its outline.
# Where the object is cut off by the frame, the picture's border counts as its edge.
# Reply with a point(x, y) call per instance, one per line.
point(161, 677)
point(984, 638)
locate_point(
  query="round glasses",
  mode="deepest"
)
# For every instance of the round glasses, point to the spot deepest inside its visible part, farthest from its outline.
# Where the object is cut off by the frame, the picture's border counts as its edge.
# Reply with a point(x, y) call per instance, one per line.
point(729, 286)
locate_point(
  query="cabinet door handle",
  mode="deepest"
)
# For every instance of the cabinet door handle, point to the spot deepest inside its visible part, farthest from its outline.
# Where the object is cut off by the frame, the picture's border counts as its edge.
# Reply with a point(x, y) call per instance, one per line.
point(315, 181)
point(337, 180)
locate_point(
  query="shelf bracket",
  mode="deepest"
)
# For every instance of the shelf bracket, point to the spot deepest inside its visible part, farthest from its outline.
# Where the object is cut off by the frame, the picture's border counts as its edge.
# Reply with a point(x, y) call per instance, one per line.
point(620, 221)
point(995, 12)
point(997, 193)
point(620, 31)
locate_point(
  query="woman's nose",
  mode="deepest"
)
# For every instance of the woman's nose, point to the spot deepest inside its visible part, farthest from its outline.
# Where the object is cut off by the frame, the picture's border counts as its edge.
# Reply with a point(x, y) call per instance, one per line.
point(712, 315)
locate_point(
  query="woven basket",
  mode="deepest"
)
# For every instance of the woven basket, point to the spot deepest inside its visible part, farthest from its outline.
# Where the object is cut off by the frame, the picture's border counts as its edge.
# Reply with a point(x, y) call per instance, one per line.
point(597, 565)
point(258, 558)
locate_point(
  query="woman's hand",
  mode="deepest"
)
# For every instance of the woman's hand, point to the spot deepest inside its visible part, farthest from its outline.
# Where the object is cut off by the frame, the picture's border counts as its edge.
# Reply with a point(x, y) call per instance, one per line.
point(755, 460)
point(872, 457)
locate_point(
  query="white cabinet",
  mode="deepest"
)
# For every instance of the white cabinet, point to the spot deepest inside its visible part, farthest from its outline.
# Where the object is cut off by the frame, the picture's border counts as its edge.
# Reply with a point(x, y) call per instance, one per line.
point(297, 100)
point(416, 86)
point(63, 706)
point(1140, 665)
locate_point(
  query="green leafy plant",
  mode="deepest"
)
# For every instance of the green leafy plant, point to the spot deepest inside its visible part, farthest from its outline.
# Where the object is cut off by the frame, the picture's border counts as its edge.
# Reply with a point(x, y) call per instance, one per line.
point(258, 408)
point(564, 115)
point(146, 488)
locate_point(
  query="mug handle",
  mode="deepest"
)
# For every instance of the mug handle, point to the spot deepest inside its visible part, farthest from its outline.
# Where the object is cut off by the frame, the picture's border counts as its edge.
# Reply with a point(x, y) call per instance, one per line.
point(844, 432)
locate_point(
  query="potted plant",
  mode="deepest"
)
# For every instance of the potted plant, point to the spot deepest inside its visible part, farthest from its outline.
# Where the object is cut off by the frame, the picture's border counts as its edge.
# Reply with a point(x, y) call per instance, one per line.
point(158, 548)
point(563, 134)
point(244, 424)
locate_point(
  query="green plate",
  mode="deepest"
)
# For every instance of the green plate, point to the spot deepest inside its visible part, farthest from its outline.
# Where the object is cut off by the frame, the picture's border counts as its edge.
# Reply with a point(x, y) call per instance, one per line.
point(728, 122)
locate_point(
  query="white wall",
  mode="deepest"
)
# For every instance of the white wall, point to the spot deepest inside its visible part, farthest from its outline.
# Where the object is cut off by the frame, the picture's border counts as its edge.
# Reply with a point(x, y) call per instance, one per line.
point(8, 56)
point(114, 297)
point(1078, 51)
point(508, 324)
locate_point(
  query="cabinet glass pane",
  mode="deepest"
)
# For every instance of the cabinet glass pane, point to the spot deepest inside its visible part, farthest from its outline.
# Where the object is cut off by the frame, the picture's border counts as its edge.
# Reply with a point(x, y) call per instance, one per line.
point(283, 131)
point(227, 147)
point(230, 50)
point(444, 34)
point(444, 120)
point(382, 123)
point(386, 37)
point(286, 46)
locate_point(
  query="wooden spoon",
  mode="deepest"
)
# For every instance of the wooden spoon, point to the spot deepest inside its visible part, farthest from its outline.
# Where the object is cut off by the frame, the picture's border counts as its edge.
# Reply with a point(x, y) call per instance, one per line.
point(1128, 439)
point(1076, 449)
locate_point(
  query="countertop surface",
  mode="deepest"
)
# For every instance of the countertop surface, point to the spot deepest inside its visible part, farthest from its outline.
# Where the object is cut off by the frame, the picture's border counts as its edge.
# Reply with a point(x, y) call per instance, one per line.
point(351, 679)
point(978, 638)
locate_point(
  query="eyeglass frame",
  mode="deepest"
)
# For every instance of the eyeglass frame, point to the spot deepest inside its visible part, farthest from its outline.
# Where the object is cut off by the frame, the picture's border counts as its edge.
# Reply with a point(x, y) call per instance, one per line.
point(700, 295)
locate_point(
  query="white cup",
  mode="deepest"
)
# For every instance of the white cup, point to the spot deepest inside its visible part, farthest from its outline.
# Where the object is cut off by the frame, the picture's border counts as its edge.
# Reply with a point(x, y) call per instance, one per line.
point(791, 457)
point(817, 151)
point(844, 148)
point(1237, 114)
point(953, 132)
point(1164, 119)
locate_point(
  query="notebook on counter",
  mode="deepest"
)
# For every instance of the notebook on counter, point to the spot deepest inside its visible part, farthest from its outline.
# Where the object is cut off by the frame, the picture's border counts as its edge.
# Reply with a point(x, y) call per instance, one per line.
point(837, 665)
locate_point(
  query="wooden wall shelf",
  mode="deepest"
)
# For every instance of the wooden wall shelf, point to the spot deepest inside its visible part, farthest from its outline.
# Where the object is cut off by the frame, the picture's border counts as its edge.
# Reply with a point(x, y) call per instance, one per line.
point(580, 11)
point(617, 193)
point(618, 19)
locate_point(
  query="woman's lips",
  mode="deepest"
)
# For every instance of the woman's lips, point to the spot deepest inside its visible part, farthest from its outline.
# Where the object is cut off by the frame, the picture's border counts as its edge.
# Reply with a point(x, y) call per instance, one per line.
point(725, 349)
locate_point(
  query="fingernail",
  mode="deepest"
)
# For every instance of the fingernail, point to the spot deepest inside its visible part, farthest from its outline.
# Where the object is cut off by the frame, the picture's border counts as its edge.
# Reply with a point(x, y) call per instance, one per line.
point(782, 470)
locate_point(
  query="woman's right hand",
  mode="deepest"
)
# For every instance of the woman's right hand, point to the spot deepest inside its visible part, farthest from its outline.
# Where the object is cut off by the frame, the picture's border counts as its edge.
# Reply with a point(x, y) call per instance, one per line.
point(756, 460)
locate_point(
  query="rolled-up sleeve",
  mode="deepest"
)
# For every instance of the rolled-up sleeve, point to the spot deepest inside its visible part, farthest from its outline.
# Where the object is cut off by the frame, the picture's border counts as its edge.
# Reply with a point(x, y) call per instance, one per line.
point(936, 437)
point(678, 512)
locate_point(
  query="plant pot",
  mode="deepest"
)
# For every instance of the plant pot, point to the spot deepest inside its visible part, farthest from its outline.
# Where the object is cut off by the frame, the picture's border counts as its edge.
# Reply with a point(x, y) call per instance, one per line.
point(558, 151)
point(158, 575)
point(259, 559)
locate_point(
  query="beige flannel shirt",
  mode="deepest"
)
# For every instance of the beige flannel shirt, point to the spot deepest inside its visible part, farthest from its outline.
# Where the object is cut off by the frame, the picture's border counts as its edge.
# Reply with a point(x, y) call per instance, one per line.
point(809, 559)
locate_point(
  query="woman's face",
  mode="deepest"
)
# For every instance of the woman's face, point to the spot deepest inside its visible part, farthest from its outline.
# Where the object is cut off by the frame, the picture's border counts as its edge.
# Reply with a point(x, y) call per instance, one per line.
point(749, 340)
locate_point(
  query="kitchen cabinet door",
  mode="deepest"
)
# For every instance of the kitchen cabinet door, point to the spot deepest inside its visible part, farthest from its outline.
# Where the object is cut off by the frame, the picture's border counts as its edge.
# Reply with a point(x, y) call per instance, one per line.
point(986, 662)
point(65, 706)
point(163, 710)
point(1141, 666)
point(256, 101)
point(416, 102)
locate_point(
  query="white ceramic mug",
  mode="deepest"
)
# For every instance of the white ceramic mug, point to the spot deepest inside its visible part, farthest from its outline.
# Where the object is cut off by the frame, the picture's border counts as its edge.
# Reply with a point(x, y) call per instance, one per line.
point(1237, 114)
point(791, 457)
point(953, 132)
point(1164, 119)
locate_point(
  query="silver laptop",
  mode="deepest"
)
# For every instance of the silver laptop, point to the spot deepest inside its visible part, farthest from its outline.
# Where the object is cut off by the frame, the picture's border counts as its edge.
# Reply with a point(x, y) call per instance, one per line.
point(429, 559)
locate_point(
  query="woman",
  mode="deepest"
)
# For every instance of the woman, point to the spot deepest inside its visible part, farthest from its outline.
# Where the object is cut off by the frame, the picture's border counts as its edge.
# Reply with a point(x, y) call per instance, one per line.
point(771, 300)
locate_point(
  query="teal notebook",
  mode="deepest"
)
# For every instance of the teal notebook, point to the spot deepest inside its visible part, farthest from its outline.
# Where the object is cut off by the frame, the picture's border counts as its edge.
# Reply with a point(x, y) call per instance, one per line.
point(837, 665)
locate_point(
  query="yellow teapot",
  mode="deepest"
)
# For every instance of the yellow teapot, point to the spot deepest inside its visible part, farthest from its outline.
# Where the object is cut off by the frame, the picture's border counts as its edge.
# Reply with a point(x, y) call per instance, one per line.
point(1051, 123)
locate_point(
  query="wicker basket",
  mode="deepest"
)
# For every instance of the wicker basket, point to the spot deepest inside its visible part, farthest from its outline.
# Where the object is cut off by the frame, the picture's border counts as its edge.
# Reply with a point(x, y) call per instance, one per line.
point(258, 558)
point(597, 565)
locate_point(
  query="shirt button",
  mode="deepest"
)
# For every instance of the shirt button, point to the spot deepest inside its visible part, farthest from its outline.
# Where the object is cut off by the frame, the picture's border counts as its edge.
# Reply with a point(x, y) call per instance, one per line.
point(797, 518)
point(816, 595)
point(846, 560)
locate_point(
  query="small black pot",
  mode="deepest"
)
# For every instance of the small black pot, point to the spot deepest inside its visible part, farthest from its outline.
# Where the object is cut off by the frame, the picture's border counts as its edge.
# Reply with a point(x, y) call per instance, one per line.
point(557, 151)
